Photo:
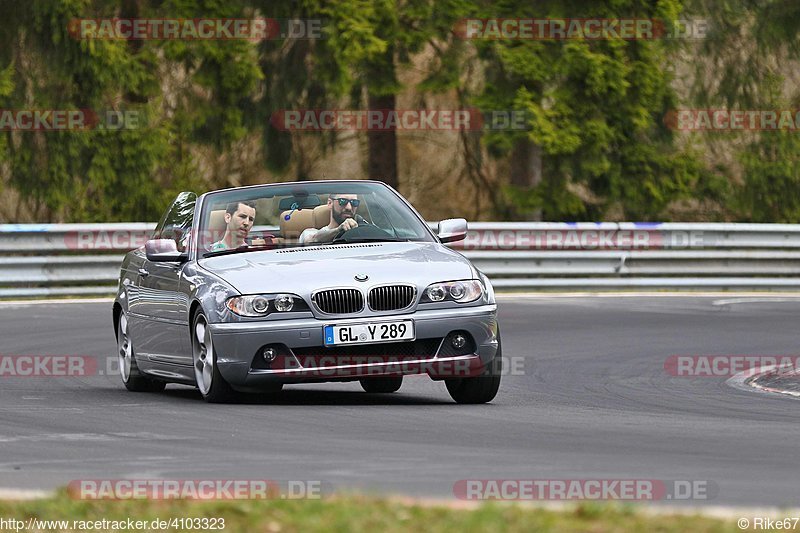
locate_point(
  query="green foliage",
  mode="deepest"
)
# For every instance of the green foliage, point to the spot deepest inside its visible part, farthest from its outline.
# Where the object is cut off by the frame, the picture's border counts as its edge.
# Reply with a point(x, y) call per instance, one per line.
point(772, 178)
point(6, 88)
point(117, 174)
point(226, 73)
point(750, 46)
point(67, 171)
point(595, 108)
point(311, 73)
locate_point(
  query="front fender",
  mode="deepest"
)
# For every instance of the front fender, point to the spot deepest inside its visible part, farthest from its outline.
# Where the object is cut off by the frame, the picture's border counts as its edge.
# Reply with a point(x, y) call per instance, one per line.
point(208, 291)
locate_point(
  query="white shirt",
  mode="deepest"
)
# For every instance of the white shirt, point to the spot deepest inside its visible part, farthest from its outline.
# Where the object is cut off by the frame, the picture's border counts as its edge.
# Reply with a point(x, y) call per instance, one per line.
point(307, 235)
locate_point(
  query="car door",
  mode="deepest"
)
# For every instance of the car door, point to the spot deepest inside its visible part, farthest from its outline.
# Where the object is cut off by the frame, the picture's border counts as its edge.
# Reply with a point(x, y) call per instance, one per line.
point(162, 331)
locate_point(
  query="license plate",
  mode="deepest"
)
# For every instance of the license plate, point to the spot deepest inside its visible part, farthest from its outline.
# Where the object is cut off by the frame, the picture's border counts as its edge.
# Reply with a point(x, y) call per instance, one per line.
point(397, 330)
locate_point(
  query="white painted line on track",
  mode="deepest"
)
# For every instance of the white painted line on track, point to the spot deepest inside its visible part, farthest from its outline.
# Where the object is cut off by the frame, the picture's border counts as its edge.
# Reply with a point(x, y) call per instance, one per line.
point(767, 296)
point(745, 300)
point(723, 512)
point(55, 301)
point(24, 494)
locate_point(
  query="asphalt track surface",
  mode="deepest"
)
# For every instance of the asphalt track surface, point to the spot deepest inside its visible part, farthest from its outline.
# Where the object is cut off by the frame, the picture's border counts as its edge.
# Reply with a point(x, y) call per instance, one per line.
point(591, 401)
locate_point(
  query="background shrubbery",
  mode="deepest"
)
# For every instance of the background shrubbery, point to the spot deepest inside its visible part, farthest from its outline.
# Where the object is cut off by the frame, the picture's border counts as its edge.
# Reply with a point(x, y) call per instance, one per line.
point(596, 146)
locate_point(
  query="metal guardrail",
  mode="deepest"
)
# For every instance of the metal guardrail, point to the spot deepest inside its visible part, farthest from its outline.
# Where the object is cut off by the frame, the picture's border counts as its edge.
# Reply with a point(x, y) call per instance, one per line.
point(83, 259)
point(72, 238)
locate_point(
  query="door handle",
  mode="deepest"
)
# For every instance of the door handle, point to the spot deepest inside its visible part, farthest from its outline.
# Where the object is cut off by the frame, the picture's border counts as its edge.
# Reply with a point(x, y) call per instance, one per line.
point(143, 272)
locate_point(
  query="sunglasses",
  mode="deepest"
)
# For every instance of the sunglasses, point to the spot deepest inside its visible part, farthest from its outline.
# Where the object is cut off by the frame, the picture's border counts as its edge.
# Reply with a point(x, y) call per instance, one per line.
point(344, 201)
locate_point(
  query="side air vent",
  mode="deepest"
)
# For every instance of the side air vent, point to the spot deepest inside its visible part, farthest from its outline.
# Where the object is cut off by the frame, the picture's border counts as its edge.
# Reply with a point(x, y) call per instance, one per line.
point(323, 247)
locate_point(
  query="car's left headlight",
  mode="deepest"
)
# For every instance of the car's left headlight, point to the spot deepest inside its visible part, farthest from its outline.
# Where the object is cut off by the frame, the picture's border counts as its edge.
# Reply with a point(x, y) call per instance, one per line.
point(461, 291)
point(260, 305)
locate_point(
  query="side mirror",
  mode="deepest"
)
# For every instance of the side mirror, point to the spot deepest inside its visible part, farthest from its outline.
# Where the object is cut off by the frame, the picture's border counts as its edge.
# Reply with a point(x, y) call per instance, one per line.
point(163, 251)
point(452, 230)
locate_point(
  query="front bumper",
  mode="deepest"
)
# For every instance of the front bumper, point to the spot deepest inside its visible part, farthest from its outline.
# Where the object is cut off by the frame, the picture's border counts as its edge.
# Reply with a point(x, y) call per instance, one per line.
point(236, 345)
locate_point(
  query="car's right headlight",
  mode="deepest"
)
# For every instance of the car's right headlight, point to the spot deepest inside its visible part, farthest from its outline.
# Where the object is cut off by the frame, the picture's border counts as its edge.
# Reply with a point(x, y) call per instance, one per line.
point(462, 291)
point(260, 305)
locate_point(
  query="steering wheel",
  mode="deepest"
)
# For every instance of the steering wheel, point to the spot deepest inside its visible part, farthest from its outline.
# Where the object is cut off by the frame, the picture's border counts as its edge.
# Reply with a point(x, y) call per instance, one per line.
point(364, 230)
point(342, 232)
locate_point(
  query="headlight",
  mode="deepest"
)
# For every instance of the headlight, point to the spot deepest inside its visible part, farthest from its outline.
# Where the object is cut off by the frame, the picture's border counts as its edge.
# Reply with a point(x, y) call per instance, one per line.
point(436, 293)
point(458, 291)
point(260, 305)
point(284, 303)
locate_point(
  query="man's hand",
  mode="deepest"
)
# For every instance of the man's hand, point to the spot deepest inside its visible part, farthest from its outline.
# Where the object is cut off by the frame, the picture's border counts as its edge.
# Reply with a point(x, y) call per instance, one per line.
point(327, 234)
point(348, 224)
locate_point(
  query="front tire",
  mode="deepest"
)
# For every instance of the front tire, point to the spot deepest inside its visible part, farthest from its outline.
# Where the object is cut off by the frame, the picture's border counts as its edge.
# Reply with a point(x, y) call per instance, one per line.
point(480, 389)
point(132, 377)
point(382, 385)
point(209, 381)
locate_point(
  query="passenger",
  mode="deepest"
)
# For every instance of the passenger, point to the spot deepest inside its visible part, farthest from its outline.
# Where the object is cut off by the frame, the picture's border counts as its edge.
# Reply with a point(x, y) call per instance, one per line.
point(239, 218)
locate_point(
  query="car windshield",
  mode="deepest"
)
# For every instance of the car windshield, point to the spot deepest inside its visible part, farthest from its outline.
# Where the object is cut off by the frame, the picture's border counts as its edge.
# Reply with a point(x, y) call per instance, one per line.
point(293, 215)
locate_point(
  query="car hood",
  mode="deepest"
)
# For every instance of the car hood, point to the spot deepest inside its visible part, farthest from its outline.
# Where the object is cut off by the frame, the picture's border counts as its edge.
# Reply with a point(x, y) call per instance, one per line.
point(302, 270)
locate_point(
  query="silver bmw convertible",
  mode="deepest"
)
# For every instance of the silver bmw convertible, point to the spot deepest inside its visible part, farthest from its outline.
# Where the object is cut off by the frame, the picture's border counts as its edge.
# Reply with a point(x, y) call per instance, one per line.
point(244, 290)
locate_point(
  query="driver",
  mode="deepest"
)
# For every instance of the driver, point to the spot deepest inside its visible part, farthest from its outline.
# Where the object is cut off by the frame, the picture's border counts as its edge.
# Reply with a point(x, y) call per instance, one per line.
point(343, 218)
point(239, 218)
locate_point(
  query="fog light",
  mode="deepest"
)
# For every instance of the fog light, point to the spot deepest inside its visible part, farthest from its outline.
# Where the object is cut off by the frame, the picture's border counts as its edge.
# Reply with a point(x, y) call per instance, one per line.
point(284, 303)
point(269, 354)
point(458, 341)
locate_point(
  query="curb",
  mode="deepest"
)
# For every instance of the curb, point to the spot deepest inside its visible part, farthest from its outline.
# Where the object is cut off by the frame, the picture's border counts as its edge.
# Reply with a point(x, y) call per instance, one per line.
point(768, 380)
point(777, 381)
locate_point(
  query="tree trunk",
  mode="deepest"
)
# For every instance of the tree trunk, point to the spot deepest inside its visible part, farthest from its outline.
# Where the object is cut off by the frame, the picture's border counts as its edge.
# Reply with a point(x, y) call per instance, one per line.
point(382, 162)
point(526, 170)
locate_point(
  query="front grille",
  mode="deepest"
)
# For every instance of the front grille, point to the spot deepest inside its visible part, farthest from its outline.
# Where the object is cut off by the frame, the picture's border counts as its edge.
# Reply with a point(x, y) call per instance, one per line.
point(339, 301)
point(391, 297)
point(316, 356)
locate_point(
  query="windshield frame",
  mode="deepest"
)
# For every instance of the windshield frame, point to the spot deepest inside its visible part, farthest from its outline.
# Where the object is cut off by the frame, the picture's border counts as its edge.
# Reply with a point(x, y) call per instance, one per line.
point(205, 200)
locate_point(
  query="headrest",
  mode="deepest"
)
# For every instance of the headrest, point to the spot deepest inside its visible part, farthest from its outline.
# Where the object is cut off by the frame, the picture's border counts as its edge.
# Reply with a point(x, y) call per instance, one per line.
point(298, 221)
point(305, 201)
point(322, 216)
point(216, 222)
point(216, 227)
